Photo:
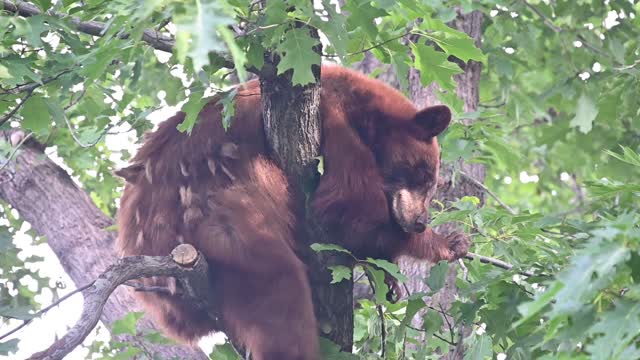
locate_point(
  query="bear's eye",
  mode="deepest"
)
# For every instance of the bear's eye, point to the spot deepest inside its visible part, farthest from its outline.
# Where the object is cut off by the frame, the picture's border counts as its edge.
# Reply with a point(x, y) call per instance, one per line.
point(410, 175)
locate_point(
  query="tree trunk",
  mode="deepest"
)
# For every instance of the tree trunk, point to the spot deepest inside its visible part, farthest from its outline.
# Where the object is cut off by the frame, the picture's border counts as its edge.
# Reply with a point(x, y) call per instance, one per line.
point(467, 90)
point(293, 128)
point(46, 197)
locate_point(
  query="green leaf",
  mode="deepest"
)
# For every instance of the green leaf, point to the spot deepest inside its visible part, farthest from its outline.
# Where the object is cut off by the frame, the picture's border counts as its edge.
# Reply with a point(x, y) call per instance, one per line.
point(126, 325)
point(334, 28)
point(23, 312)
point(157, 338)
point(297, 53)
point(44, 4)
point(586, 112)
point(363, 15)
point(381, 289)
point(4, 72)
point(224, 352)
point(317, 247)
point(615, 330)
point(320, 167)
point(35, 114)
point(199, 30)
point(239, 57)
point(629, 156)
point(255, 56)
point(437, 276)
point(228, 101)
point(462, 47)
point(192, 110)
point(432, 322)
point(480, 348)
point(331, 351)
point(434, 66)
point(530, 309)
point(339, 273)
point(9, 346)
point(6, 239)
point(391, 268)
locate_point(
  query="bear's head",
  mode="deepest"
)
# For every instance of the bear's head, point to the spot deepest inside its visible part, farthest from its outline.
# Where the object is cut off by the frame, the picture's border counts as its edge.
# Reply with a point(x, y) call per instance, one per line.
point(409, 160)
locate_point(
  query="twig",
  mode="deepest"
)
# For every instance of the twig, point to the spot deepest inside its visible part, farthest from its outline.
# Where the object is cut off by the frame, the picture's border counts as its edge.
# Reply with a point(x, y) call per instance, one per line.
point(34, 85)
point(488, 191)
point(15, 150)
point(41, 312)
point(544, 18)
point(184, 263)
point(446, 318)
point(29, 88)
point(558, 29)
point(372, 46)
point(383, 332)
point(15, 109)
point(495, 262)
point(465, 271)
point(423, 330)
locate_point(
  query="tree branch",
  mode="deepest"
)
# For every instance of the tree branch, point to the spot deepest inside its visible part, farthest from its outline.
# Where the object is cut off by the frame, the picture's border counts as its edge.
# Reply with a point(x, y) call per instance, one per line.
point(184, 263)
point(558, 29)
point(43, 311)
point(75, 229)
point(495, 262)
point(157, 40)
point(29, 88)
point(544, 18)
point(488, 191)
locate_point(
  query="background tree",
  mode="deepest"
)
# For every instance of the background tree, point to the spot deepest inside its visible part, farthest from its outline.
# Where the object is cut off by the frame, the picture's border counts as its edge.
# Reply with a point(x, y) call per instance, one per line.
point(554, 131)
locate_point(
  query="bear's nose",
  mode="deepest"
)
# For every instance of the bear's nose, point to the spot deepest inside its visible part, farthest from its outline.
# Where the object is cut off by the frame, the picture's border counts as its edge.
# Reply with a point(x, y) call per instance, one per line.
point(421, 224)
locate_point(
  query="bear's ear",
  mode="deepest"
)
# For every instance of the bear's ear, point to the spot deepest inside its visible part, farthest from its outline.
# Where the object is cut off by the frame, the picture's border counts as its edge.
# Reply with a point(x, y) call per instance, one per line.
point(130, 174)
point(433, 120)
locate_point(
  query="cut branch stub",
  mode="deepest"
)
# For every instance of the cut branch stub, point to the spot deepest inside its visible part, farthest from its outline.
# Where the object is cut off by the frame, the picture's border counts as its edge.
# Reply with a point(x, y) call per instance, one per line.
point(185, 264)
point(185, 255)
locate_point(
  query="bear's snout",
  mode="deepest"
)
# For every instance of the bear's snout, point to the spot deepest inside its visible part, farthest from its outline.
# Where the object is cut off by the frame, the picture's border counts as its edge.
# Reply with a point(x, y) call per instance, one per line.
point(409, 211)
point(421, 223)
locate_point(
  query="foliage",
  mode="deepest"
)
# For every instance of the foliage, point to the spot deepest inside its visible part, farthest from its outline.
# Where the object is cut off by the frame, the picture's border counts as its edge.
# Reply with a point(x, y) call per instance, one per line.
point(557, 130)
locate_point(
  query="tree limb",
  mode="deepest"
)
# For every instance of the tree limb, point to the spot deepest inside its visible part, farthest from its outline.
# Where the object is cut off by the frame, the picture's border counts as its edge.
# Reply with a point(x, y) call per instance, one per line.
point(495, 262)
point(43, 311)
point(29, 88)
point(157, 40)
point(189, 270)
point(75, 229)
point(488, 191)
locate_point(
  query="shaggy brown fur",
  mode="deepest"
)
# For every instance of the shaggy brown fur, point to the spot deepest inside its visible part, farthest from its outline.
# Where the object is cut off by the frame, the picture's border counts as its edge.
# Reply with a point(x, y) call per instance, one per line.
point(219, 191)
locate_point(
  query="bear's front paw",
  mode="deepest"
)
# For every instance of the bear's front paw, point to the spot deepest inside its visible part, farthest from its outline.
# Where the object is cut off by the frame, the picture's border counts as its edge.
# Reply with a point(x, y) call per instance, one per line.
point(395, 290)
point(458, 243)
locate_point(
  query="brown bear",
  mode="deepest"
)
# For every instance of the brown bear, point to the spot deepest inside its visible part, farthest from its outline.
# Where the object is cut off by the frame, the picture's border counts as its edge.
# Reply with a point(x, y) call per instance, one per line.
point(220, 192)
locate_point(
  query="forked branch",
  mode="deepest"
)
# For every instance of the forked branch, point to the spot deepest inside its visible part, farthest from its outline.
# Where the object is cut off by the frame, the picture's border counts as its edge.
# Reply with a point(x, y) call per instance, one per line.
point(185, 264)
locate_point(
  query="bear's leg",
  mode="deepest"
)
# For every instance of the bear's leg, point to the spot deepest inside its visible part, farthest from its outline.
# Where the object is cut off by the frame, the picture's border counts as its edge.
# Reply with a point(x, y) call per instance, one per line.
point(266, 297)
point(271, 312)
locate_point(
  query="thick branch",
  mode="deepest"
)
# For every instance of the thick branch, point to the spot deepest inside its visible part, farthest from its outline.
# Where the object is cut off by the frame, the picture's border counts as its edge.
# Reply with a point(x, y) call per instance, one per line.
point(57, 209)
point(189, 273)
point(154, 38)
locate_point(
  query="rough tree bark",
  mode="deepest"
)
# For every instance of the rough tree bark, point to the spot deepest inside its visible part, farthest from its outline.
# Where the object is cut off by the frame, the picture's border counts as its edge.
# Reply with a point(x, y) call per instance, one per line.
point(467, 90)
point(293, 128)
point(46, 197)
